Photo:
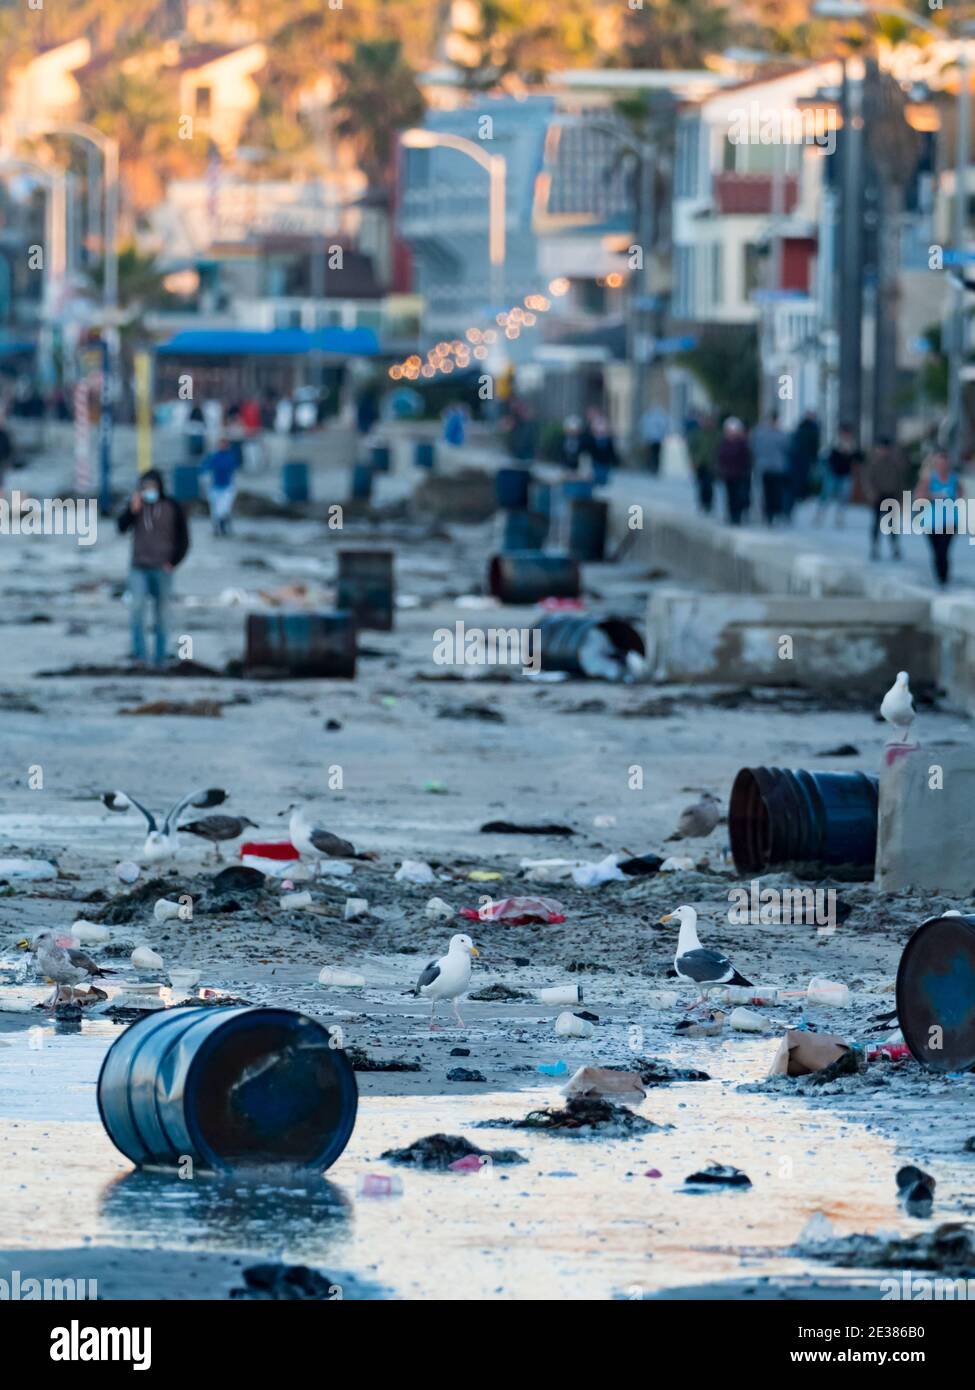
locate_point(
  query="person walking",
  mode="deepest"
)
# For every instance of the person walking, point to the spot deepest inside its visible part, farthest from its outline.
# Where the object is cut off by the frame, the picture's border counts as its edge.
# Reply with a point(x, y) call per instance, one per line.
point(222, 465)
point(843, 458)
point(195, 434)
point(803, 453)
point(570, 453)
point(941, 485)
point(884, 475)
point(770, 452)
point(654, 428)
point(735, 469)
point(599, 444)
point(702, 448)
point(160, 540)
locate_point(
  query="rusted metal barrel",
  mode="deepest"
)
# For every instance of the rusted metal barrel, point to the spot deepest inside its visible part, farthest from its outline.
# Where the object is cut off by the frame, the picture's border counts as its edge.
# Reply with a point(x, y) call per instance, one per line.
point(365, 587)
point(522, 530)
point(588, 518)
point(528, 576)
point(779, 816)
point(228, 1088)
point(587, 646)
point(300, 644)
point(936, 993)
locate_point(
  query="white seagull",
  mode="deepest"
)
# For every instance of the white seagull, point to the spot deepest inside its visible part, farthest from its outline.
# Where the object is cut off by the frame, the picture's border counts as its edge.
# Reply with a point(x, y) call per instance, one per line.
point(696, 964)
point(315, 841)
point(897, 707)
point(162, 844)
point(448, 977)
point(64, 966)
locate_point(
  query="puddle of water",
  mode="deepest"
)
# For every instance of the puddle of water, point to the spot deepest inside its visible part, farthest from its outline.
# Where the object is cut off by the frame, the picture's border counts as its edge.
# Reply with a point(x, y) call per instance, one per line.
point(578, 1220)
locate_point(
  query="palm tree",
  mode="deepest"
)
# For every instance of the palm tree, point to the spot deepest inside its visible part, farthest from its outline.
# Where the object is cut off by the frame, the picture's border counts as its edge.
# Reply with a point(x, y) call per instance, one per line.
point(378, 98)
point(139, 114)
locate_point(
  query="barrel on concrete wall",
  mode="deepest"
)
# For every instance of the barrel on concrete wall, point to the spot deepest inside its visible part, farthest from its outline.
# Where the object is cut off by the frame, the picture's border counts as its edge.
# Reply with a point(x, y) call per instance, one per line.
point(381, 457)
point(936, 993)
point(228, 1088)
point(521, 529)
point(300, 644)
point(362, 479)
point(511, 487)
point(184, 482)
point(780, 816)
point(528, 576)
point(294, 481)
point(426, 454)
point(366, 587)
point(588, 646)
point(587, 529)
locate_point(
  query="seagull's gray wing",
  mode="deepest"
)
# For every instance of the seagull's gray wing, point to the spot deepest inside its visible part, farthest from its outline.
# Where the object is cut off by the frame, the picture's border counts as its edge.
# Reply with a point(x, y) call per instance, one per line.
point(214, 827)
point(705, 967)
point(428, 974)
point(207, 796)
point(121, 801)
point(83, 961)
point(330, 844)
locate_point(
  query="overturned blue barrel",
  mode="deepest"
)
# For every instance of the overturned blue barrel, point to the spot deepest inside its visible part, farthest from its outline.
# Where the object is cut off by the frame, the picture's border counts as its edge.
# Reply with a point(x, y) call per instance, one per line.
point(300, 644)
point(511, 487)
point(425, 455)
point(824, 820)
point(528, 576)
point(365, 587)
point(362, 480)
point(936, 993)
point(522, 530)
point(294, 481)
point(585, 645)
point(587, 529)
point(184, 485)
point(381, 457)
point(228, 1088)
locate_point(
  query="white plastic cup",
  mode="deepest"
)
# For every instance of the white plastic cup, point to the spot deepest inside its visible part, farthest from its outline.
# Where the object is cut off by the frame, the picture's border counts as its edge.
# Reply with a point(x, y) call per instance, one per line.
point(747, 1021)
point(290, 901)
point(569, 1025)
point(341, 979)
point(165, 910)
point(831, 993)
point(560, 994)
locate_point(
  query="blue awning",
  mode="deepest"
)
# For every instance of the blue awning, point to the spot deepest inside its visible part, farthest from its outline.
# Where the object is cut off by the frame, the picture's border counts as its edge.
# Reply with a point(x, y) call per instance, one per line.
point(276, 342)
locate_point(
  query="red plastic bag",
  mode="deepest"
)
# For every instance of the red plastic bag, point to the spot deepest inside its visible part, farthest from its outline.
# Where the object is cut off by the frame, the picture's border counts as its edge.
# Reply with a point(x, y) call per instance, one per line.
point(517, 912)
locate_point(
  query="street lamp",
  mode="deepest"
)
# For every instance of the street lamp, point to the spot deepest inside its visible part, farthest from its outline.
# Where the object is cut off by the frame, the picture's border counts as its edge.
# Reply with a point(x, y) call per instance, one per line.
point(857, 9)
point(419, 138)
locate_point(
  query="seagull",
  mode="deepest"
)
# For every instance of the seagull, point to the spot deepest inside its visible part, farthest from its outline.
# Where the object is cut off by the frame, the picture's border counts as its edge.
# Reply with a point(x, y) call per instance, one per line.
point(448, 977)
point(315, 841)
point(694, 963)
point(897, 707)
point(64, 966)
point(162, 844)
point(218, 829)
point(699, 819)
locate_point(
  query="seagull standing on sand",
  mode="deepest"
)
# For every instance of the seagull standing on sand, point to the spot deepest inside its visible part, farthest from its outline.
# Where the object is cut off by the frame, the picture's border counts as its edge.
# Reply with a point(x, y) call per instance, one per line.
point(448, 977)
point(696, 964)
point(162, 844)
point(897, 707)
point(64, 966)
point(218, 829)
point(699, 819)
point(315, 841)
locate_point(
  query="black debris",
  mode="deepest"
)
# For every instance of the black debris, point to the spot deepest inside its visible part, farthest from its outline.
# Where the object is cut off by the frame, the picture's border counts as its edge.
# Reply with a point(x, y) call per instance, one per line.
point(439, 1151)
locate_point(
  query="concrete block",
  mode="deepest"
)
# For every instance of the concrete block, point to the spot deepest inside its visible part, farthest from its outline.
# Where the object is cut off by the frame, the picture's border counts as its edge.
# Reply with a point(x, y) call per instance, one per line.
point(925, 830)
point(851, 644)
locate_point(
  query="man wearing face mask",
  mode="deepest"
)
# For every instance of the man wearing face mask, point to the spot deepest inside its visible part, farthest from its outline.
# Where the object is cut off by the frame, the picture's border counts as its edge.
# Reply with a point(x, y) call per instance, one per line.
point(160, 540)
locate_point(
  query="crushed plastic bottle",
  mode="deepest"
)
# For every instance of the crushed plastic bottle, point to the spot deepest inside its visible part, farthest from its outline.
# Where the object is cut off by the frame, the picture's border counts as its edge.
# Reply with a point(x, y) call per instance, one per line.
point(831, 994)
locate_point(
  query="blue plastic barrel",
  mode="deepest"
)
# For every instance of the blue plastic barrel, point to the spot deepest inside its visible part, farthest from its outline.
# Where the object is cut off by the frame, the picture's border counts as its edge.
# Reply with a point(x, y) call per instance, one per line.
point(228, 1088)
point(936, 993)
point(576, 487)
point(528, 576)
point(185, 482)
point(511, 487)
point(294, 481)
point(563, 636)
point(381, 457)
point(787, 816)
point(300, 644)
point(362, 479)
point(425, 455)
point(523, 530)
point(540, 499)
point(588, 517)
point(365, 587)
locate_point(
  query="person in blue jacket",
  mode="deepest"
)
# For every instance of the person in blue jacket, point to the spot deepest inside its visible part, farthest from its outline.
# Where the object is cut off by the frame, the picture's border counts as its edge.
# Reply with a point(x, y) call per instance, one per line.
point(222, 466)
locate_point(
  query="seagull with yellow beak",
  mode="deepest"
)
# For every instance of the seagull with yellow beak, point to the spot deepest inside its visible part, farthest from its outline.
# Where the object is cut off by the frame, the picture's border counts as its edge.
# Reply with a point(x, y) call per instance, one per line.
point(696, 964)
point(448, 977)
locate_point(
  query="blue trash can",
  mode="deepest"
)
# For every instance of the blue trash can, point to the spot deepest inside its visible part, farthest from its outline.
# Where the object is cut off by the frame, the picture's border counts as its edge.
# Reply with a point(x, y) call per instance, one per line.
point(426, 454)
point(294, 481)
point(576, 487)
point(300, 644)
point(511, 488)
point(362, 479)
point(522, 530)
point(228, 1088)
point(381, 457)
point(185, 482)
point(588, 517)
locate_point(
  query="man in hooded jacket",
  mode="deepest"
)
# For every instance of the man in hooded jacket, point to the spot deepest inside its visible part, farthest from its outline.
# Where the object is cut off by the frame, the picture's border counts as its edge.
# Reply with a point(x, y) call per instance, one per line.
point(160, 540)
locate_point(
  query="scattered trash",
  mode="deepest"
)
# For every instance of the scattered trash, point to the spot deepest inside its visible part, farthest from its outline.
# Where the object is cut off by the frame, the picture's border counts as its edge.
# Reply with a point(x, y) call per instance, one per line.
point(507, 827)
point(291, 902)
point(127, 871)
point(583, 873)
point(948, 1248)
point(569, 1025)
point(599, 1082)
point(747, 1021)
point(845, 750)
point(484, 876)
point(653, 1072)
point(90, 933)
point(663, 999)
point(560, 994)
point(439, 1151)
point(355, 908)
point(801, 1052)
point(487, 714)
point(341, 979)
point(465, 1074)
point(27, 870)
point(379, 1185)
point(720, 1175)
point(414, 871)
point(641, 865)
point(498, 994)
point(166, 911)
point(916, 1190)
point(677, 864)
point(437, 910)
point(268, 849)
point(710, 1027)
point(184, 979)
point(582, 1115)
point(144, 958)
point(435, 788)
point(604, 822)
point(518, 912)
point(558, 1068)
point(829, 993)
point(817, 1229)
point(238, 878)
point(470, 1163)
point(193, 709)
point(296, 1283)
point(653, 1173)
